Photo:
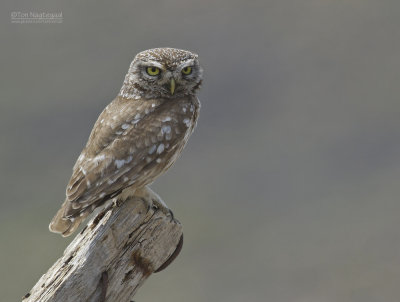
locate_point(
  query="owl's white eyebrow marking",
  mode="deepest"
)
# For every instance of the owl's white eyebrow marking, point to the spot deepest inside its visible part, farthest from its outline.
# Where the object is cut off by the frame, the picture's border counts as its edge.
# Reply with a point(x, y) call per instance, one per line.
point(186, 121)
point(152, 149)
point(166, 119)
point(125, 126)
point(160, 148)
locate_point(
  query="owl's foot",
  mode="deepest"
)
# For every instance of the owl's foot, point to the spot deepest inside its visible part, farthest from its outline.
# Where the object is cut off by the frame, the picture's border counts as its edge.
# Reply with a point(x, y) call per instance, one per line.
point(159, 204)
point(154, 201)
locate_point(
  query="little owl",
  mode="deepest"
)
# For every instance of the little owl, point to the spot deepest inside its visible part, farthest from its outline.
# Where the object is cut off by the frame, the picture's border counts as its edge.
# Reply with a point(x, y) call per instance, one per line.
point(137, 137)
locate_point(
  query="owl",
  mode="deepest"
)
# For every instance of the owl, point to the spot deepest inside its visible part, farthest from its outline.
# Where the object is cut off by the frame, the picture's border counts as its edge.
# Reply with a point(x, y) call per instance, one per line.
point(137, 137)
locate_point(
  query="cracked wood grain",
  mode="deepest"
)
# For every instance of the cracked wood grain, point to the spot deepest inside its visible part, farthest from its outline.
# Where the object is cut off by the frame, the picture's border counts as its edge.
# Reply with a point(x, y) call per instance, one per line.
point(112, 257)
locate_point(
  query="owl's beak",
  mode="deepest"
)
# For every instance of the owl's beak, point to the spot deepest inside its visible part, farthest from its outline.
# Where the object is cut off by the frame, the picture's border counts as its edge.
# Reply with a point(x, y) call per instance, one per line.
point(172, 86)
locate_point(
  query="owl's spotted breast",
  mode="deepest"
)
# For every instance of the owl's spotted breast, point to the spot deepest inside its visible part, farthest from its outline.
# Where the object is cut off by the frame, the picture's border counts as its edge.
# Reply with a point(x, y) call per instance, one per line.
point(132, 150)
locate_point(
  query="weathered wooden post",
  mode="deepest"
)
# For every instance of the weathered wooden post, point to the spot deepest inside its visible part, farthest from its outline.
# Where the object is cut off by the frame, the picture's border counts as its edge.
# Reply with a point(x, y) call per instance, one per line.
point(112, 257)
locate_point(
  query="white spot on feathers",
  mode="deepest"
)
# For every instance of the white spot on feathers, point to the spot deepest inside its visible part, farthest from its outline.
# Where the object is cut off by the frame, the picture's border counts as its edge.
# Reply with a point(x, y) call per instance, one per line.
point(99, 157)
point(119, 163)
point(166, 129)
point(160, 148)
point(82, 170)
point(187, 122)
point(125, 126)
point(166, 119)
point(102, 195)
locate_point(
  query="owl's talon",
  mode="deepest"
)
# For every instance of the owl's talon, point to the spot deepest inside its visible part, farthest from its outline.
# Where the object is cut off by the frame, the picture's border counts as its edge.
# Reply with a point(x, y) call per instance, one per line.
point(160, 206)
point(171, 214)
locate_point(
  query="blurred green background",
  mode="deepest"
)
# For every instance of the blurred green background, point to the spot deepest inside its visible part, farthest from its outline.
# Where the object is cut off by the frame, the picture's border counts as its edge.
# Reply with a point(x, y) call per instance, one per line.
point(289, 188)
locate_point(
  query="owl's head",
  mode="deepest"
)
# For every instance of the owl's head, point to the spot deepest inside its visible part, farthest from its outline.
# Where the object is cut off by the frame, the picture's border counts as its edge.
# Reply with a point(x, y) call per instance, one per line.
point(162, 72)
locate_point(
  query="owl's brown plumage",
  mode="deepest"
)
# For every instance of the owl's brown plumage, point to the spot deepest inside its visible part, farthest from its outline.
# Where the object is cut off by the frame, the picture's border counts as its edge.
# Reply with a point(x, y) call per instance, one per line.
point(138, 136)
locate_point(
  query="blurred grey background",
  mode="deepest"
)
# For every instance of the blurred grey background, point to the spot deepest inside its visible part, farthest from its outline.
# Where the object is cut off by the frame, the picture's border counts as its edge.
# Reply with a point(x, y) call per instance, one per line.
point(289, 188)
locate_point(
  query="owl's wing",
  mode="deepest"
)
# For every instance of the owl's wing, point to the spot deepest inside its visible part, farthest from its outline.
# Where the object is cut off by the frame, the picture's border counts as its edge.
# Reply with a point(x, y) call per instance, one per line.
point(128, 145)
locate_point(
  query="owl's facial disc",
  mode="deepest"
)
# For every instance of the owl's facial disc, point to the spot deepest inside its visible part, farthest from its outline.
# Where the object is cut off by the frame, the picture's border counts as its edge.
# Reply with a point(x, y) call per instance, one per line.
point(164, 72)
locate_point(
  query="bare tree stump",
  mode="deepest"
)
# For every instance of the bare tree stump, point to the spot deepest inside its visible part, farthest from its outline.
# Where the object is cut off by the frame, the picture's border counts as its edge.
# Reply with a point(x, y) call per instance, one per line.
point(112, 257)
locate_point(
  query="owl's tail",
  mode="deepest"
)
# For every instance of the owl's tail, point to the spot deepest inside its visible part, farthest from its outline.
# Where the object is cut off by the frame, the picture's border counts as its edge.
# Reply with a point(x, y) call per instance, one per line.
point(65, 226)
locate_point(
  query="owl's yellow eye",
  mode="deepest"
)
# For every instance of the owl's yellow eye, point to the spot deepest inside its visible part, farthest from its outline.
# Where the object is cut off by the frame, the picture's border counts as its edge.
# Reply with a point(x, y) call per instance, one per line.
point(187, 70)
point(153, 71)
